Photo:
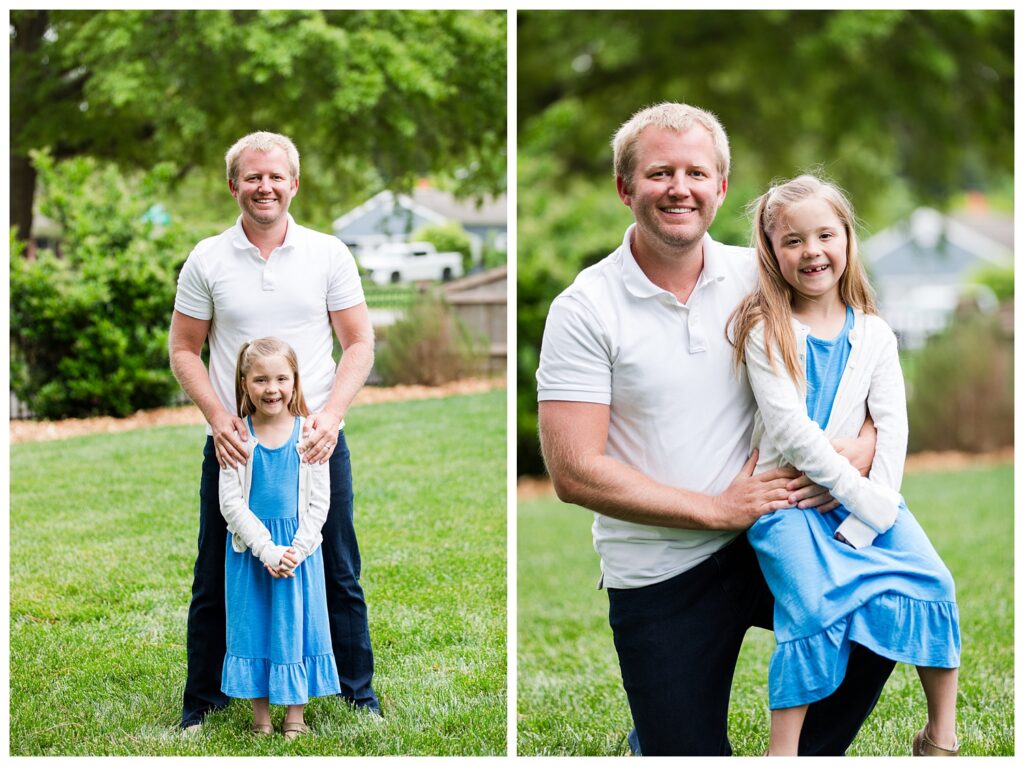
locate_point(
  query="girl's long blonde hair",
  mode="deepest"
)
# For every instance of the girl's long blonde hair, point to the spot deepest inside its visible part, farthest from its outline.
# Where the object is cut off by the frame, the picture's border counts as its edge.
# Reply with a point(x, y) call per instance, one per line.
point(260, 349)
point(771, 301)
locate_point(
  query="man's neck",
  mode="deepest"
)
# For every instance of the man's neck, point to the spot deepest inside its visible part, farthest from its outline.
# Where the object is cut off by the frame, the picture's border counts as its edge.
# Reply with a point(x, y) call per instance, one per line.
point(675, 269)
point(266, 239)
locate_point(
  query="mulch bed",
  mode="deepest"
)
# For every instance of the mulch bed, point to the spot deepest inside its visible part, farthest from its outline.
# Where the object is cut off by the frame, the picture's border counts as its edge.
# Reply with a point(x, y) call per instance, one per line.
point(47, 430)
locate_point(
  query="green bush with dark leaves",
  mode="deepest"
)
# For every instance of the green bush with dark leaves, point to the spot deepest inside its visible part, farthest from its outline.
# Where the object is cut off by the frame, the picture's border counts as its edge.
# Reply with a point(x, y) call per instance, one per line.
point(89, 322)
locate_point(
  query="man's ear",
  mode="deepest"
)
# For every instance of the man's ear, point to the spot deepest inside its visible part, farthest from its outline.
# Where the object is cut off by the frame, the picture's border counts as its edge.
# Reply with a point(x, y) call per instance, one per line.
point(625, 193)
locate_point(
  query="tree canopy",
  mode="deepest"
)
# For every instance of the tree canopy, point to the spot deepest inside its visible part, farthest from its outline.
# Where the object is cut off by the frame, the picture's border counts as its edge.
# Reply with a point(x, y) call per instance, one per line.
point(372, 98)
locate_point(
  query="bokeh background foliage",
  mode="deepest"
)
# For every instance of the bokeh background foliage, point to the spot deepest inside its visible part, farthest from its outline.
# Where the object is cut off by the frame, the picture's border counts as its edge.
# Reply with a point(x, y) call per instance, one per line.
point(902, 108)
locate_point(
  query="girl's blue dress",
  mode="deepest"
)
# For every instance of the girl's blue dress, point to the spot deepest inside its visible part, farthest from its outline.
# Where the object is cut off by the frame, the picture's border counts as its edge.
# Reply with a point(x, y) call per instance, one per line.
point(278, 637)
point(894, 597)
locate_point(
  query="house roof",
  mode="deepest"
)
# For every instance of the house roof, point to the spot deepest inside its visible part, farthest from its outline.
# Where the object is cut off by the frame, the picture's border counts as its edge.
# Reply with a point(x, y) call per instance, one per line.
point(433, 205)
point(930, 243)
point(383, 203)
point(493, 211)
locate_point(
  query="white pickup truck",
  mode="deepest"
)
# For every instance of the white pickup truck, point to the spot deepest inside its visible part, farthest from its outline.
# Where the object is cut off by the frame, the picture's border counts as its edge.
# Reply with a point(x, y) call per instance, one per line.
point(396, 262)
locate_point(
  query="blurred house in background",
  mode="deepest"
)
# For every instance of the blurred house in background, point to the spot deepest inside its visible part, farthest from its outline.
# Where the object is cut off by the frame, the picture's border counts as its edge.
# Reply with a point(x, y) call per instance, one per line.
point(390, 217)
point(922, 267)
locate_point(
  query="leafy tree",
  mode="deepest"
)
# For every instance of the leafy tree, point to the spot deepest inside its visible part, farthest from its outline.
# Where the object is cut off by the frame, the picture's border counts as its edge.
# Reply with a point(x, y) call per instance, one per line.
point(372, 98)
point(447, 238)
point(998, 278)
point(89, 328)
point(900, 107)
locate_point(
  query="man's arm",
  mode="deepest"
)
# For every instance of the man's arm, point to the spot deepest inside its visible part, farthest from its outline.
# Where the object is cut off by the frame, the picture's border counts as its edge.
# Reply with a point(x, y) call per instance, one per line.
point(573, 437)
point(185, 344)
point(355, 334)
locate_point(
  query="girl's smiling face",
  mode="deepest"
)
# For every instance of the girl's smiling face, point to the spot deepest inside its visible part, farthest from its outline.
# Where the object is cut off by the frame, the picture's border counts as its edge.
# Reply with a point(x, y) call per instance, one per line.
point(270, 384)
point(810, 244)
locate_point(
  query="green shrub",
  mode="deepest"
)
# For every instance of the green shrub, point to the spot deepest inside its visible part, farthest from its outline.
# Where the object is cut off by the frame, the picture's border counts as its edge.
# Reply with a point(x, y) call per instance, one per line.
point(960, 387)
point(447, 238)
point(428, 346)
point(998, 278)
point(89, 326)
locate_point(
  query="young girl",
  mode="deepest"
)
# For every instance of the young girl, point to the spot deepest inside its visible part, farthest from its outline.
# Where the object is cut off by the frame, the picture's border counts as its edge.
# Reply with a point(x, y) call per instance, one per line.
point(278, 638)
point(818, 358)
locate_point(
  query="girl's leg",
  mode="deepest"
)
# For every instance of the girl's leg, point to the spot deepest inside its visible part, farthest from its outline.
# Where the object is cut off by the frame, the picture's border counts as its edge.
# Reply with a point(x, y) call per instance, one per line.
point(294, 714)
point(294, 723)
point(261, 716)
point(786, 725)
point(940, 691)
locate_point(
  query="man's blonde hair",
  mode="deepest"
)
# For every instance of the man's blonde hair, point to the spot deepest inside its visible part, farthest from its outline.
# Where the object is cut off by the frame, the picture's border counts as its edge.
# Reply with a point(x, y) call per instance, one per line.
point(261, 141)
point(671, 115)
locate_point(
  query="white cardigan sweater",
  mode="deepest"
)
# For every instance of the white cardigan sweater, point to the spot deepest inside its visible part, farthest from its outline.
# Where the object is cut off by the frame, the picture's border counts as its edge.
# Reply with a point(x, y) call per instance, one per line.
point(247, 531)
point(786, 435)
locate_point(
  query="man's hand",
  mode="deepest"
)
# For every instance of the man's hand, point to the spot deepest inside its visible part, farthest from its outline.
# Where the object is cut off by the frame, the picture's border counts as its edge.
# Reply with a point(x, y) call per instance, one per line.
point(804, 493)
point(229, 437)
point(860, 451)
point(749, 497)
point(319, 437)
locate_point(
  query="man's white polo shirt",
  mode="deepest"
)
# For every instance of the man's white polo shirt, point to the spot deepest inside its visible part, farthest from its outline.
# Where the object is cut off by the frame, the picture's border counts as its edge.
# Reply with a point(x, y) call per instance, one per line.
point(680, 414)
point(287, 296)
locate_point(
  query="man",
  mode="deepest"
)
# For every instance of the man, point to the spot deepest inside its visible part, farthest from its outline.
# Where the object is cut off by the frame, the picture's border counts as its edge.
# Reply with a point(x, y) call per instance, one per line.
point(267, 275)
point(644, 420)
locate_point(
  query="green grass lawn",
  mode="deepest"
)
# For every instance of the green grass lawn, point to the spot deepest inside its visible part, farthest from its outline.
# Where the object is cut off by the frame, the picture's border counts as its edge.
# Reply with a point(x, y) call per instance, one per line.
point(570, 695)
point(103, 539)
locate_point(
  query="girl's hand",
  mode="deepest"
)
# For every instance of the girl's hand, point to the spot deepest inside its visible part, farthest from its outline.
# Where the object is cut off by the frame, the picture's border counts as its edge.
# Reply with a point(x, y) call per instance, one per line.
point(277, 574)
point(289, 560)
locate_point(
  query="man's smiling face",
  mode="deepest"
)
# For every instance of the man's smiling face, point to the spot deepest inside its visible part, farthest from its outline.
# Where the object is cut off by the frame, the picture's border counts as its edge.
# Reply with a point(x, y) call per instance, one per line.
point(676, 188)
point(264, 187)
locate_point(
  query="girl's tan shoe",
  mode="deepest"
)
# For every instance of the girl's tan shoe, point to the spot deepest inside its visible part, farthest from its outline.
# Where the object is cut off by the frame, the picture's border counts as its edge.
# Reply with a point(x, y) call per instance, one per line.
point(924, 746)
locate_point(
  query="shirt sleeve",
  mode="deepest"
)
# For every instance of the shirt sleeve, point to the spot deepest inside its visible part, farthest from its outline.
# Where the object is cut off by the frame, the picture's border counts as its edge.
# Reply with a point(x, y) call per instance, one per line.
point(575, 355)
point(804, 445)
point(194, 297)
point(344, 289)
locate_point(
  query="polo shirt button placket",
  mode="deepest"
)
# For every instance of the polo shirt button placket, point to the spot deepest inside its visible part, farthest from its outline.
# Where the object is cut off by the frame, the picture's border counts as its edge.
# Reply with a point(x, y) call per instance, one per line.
point(269, 282)
point(698, 340)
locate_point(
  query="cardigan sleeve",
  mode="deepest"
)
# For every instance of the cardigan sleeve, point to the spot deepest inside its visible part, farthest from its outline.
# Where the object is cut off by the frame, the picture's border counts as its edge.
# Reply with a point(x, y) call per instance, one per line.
point(804, 445)
point(242, 522)
point(308, 537)
point(887, 403)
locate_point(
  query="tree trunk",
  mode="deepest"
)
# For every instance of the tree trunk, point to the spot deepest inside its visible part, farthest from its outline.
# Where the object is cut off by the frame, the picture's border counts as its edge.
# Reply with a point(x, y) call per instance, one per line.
point(23, 191)
point(28, 29)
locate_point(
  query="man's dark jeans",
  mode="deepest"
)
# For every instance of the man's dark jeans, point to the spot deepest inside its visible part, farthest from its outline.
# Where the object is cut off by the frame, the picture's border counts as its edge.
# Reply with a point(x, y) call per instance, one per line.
point(678, 641)
point(346, 607)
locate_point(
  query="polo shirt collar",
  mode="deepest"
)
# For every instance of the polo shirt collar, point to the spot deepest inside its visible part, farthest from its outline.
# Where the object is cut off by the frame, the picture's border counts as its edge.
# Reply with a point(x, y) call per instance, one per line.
point(640, 286)
point(239, 240)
